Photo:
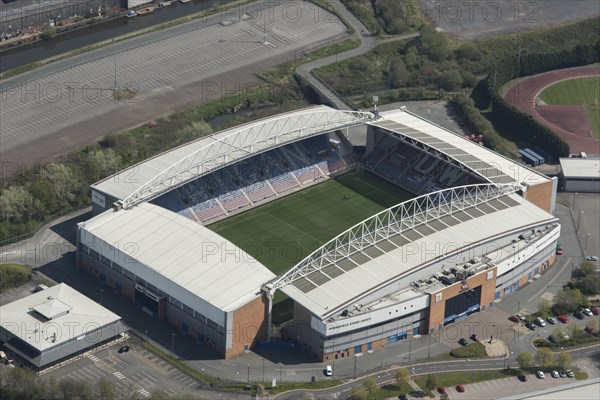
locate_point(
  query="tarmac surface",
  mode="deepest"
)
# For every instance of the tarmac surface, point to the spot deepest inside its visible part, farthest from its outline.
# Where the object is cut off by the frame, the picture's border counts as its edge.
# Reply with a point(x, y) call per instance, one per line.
point(66, 105)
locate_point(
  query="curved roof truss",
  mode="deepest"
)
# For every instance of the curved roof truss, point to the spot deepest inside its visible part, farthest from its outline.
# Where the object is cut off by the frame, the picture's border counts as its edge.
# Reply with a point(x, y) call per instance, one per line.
point(249, 140)
point(390, 222)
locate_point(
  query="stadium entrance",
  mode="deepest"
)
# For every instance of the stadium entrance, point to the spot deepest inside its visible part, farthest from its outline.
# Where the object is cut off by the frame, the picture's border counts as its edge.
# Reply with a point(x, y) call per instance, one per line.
point(463, 305)
point(148, 302)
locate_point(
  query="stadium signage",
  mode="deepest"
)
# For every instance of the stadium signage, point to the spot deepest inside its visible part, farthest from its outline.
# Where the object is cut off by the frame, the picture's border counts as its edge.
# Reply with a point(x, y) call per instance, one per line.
point(147, 292)
point(98, 199)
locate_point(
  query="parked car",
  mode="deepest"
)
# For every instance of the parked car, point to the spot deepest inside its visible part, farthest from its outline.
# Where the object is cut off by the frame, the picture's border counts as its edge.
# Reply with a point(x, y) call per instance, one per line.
point(540, 374)
point(592, 258)
point(514, 318)
point(552, 320)
point(522, 378)
point(589, 330)
point(596, 310)
point(328, 371)
point(570, 374)
point(563, 319)
point(541, 322)
point(530, 326)
point(475, 338)
point(552, 339)
point(578, 315)
point(587, 312)
point(460, 388)
point(562, 374)
point(402, 397)
point(441, 390)
point(555, 374)
point(521, 317)
point(463, 342)
point(124, 349)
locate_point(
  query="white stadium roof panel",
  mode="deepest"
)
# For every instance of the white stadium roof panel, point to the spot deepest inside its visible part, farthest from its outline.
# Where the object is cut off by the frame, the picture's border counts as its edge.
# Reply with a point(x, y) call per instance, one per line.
point(176, 249)
point(490, 165)
point(173, 168)
point(514, 213)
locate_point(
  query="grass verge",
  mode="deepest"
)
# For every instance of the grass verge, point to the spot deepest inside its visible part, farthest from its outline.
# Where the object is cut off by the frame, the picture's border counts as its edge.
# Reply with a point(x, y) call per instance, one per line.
point(13, 275)
point(470, 350)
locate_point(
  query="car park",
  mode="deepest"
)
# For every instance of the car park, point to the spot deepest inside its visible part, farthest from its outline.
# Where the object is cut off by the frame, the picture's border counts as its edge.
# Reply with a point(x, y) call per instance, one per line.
point(563, 319)
point(328, 371)
point(540, 374)
point(570, 373)
point(541, 322)
point(555, 374)
point(475, 338)
point(562, 374)
point(552, 320)
point(463, 342)
point(522, 378)
point(592, 258)
point(460, 388)
point(587, 312)
point(596, 310)
point(578, 315)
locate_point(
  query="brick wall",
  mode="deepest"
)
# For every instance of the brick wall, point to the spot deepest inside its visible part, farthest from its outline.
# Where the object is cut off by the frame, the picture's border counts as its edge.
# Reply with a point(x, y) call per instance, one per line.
point(249, 325)
point(540, 195)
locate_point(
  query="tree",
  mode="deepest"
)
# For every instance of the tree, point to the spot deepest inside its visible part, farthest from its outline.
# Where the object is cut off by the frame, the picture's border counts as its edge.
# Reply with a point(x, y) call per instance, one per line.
point(431, 382)
point(399, 74)
point(587, 268)
point(370, 385)
point(402, 376)
point(433, 44)
point(593, 325)
point(451, 80)
point(48, 33)
point(589, 284)
point(558, 333)
point(569, 300)
point(545, 308)
point(574, 330)
point(468, 51)
point(544, 357)
point(524, 359)
point(563, 360)
point(468, 78)
point(106, 389)
point(16, 204)
point(63, 180)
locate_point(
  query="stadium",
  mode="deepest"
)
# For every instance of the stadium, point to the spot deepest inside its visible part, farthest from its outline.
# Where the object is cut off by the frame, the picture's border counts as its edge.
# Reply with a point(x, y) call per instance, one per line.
point(282, 230)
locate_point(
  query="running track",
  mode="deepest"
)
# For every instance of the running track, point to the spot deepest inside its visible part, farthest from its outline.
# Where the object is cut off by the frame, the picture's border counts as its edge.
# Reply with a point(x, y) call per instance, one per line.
point(523, 94)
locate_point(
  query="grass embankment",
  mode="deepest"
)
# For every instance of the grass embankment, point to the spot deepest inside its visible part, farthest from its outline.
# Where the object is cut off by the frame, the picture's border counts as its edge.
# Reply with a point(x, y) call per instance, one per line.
point(13, 275)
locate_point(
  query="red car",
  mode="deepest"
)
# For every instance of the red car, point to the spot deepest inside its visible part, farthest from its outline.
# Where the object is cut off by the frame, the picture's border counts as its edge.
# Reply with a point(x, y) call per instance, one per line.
point(460, 388)
point(596, 310)
point(441, 390)
point(563, 319)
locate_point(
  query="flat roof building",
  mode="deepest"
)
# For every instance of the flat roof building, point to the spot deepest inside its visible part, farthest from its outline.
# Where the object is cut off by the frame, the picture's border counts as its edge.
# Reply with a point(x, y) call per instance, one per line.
point(55, 324)
point(580, 174)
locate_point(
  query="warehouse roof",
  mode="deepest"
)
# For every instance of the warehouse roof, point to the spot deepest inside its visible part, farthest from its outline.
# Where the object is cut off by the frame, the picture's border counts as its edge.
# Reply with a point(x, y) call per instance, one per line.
point(490, 165)
point(580, 167)
point(54, 316)
point(175, 250)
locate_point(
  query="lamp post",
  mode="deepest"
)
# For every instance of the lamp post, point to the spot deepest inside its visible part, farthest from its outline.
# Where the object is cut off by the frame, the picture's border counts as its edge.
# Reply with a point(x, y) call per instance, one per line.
point(146, 332)
point(409, 349)
point(263, 376)
point(579, 222)
point(172, 344)
point(429, 347)
point(248, 372)
point(586, 242)
point(114, 40)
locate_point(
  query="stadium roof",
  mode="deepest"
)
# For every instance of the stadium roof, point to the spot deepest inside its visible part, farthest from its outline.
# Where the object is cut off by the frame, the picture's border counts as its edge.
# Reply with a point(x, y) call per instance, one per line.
point(580, 167)
point(173, 168)
point(179, 256)
point(59, 310)
point(394, 243)
point(491, 166)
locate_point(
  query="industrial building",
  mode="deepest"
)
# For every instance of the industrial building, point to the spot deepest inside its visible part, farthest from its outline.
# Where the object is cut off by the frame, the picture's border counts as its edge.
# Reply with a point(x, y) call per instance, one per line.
point(55, 324)
point(580, 174)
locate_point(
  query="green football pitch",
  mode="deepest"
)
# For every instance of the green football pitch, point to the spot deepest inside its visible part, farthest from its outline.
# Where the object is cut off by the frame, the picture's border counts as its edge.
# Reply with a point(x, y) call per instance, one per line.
point(577, 91)
point(282, 233)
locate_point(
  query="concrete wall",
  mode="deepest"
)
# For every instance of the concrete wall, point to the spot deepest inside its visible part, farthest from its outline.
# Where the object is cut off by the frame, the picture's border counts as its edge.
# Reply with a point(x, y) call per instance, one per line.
point(585, 186)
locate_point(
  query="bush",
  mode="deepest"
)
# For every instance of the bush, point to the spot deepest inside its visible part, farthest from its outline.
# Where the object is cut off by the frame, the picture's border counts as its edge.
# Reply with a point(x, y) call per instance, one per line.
point(48, 33)
point(451, 80)
point(13, 275)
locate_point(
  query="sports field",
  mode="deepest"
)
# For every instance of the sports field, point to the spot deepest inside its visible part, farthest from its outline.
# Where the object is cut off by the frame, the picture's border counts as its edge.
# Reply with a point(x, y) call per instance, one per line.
point(282, 233)
point(578, 91)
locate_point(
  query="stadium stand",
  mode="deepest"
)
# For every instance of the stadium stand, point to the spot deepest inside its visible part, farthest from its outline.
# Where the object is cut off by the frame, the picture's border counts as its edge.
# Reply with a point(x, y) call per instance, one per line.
point(263, 176)
point(414, 169)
